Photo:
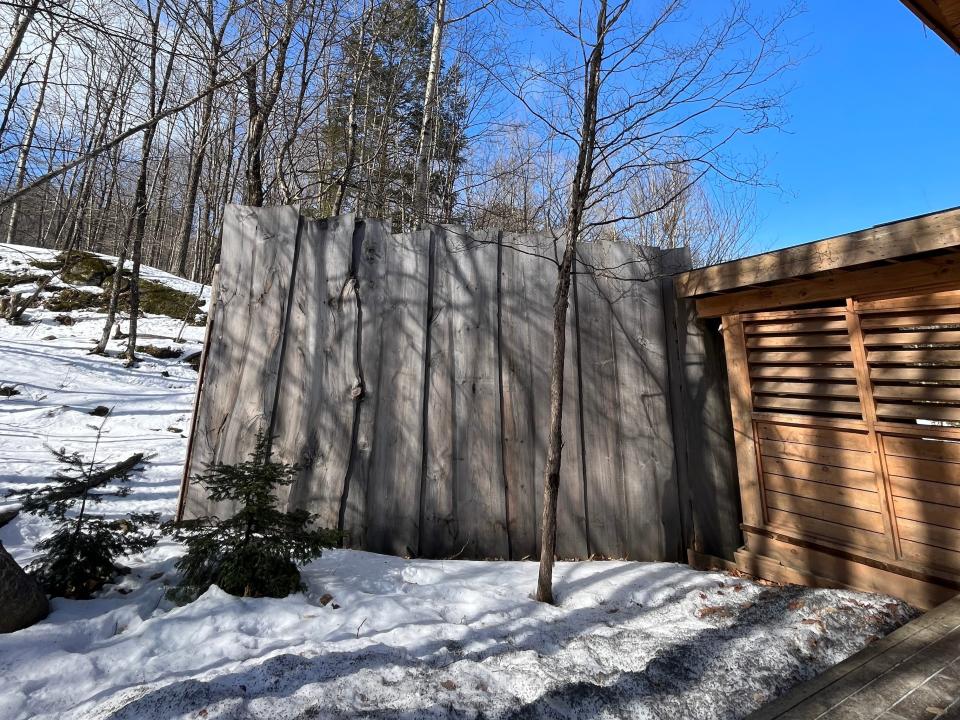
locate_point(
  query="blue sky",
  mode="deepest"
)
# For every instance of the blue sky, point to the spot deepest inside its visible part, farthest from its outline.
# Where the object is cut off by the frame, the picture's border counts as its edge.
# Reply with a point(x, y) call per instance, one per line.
point(874, 130)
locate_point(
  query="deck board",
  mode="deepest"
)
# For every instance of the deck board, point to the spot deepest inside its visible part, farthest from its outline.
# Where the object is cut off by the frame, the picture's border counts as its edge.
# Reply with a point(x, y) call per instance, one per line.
point(911, 674)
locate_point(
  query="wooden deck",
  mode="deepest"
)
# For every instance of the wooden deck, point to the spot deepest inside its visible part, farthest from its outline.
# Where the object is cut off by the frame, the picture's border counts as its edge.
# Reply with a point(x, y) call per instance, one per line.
point(912, 674)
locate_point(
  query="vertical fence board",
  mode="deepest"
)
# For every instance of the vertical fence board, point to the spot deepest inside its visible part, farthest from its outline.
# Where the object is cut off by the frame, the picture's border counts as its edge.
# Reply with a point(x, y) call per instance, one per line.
point(314, 417)
point(654, 524)
point(437, 530)
point(248, 327)
point(395, 313)
point(465, 308)
point(526, 295)
point(412, 387)
point(603, 445)
point(710, 496)
point(572, 540)
point(631, 465)
point(369, 266)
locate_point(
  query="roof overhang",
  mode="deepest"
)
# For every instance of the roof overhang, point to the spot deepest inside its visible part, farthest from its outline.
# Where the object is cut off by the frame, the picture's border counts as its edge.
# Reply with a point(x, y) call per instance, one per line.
point(917, 238)
point(941, 16)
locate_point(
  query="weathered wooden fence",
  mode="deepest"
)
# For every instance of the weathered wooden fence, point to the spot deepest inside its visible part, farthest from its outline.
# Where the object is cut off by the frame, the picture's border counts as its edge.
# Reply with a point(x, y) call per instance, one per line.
point(408, 375)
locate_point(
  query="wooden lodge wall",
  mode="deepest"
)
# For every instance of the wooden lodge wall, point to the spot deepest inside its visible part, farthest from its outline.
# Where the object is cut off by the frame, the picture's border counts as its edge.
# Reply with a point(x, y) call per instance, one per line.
point(408, 375)
point(847, 419)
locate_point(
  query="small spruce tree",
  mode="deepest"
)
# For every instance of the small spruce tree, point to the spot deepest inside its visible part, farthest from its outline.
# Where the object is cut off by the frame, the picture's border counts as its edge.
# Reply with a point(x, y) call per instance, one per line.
point(79, 558)
point(257, 551)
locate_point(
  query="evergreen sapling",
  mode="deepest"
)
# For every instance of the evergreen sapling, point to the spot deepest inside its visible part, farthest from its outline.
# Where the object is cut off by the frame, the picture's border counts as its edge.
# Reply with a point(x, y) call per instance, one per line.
point(79, 558)
point(257, 551)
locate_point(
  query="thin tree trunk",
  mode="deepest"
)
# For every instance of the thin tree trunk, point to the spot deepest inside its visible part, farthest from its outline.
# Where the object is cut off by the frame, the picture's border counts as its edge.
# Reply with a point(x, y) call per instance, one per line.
point(425, 147)
point(579, 194)
point(19, 31)
point(551, 486)
point(27, 142)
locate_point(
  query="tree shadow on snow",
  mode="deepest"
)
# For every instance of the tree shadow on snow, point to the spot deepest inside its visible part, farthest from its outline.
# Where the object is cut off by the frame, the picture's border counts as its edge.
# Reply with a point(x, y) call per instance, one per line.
point(665, 687)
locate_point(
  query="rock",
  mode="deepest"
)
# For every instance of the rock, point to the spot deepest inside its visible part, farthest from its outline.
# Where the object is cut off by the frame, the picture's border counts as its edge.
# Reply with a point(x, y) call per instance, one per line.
point(193, 359)
point(22, 602)
point(7, 515)
point(161, 352)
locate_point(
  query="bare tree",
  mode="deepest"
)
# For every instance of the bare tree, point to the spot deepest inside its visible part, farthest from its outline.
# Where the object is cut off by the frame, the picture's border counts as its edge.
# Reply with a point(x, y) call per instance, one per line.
point(627, 95)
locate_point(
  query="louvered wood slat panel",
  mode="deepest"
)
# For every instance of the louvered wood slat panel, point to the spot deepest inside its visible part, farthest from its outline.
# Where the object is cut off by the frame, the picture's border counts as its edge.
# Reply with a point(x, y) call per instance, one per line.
point(923, 469)
point(814, 325)
point(914, 358)
point(826, 437)
point(930, 555)
point(901, 320)
point(848, 497)
point(929, 413)
point(802, 372)
point(811, 406)
point(948, 357)
point(837, 457)
point(797, 341)
point(916, 374)
point(799, 357)
point(929, 393)
point(929, 336)
point(807, 388)
point(802, 365)
point(845, 535)
point(923, 448)
point(848, 477)
point(938, 492)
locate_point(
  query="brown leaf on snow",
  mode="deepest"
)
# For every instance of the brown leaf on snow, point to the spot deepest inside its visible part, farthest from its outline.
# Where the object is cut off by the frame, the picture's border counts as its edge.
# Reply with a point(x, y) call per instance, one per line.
point(710, 610)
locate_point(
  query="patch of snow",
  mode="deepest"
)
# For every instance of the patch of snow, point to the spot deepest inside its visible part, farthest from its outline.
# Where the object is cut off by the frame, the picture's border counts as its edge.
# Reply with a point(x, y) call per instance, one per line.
point(400, 638)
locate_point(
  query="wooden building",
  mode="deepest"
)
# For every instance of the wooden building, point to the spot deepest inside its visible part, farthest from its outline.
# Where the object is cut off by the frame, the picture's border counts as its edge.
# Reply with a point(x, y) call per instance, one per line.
point(843, 360)
point(941, 16)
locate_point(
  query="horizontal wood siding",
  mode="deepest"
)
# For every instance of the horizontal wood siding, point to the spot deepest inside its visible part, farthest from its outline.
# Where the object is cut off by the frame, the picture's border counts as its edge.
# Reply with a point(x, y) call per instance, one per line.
point(855, 426)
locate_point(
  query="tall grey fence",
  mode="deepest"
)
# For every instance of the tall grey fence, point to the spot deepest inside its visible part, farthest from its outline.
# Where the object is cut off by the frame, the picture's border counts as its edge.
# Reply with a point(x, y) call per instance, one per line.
point(408, 376)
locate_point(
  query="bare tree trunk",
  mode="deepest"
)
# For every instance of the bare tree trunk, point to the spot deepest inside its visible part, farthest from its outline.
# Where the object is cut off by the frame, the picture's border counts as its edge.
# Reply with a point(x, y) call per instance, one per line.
point(425, 147)
point(253, 194)
point(579, 194)
point(551, 485)
point(27, 142)
point(23, 20)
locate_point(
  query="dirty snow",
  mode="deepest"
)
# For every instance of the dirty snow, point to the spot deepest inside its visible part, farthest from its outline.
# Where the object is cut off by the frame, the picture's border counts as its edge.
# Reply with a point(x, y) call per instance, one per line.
point(400, 638)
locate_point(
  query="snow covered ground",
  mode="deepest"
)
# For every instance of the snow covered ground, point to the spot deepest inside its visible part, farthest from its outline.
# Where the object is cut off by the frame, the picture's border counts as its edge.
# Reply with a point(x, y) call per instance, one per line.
point(374, 636)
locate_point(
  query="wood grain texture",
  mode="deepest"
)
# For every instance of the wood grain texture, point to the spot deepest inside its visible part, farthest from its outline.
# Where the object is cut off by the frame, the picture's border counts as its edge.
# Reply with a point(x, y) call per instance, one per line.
point(249, 322)
point(394, 276)
point(404, 374)
point(466, 505)
point(188, 471)
point(741, 413)
point(912, 275)
point(572, 508)
point(700, 411)
point(526, 304)
point(314, 419)
point(633, 503)
point(894, 240)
